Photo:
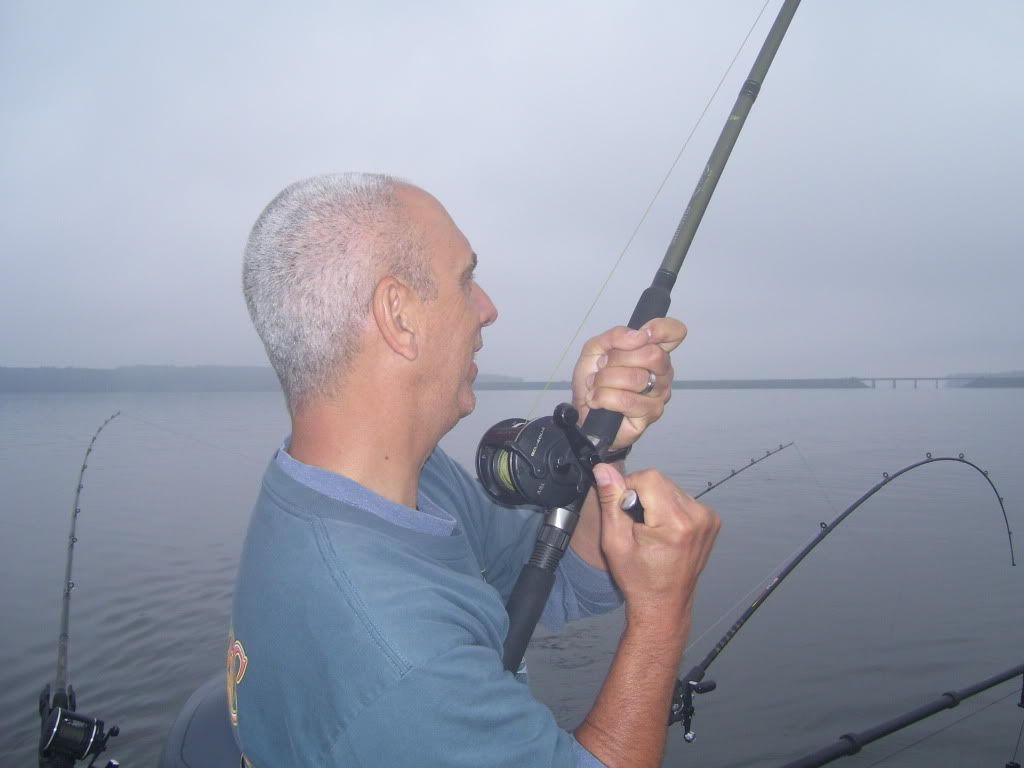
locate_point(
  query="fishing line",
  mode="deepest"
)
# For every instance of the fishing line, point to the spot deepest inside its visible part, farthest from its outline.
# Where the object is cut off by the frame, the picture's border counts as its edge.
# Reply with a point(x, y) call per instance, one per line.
point(643, 218)
point(764, 579)
point(190, 438)
point(746, 597)
point(743, 600)
point(959, 720)
point(832, 506)
point(758, 585)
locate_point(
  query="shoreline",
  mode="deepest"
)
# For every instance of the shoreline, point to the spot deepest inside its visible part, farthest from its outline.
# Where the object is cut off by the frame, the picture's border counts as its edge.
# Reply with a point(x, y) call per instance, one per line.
point(211, 378)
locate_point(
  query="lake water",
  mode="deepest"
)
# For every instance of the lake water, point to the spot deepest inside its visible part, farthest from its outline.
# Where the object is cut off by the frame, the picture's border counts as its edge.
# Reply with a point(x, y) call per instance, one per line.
point(912, 596)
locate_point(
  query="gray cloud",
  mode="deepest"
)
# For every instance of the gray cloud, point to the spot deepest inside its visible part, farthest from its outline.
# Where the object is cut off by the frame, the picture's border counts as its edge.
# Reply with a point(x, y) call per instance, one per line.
point(865, 225)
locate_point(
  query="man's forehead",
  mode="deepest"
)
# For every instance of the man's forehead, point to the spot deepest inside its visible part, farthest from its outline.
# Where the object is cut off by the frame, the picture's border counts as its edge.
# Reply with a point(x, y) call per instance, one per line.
point(418, 202)
point(426, 214)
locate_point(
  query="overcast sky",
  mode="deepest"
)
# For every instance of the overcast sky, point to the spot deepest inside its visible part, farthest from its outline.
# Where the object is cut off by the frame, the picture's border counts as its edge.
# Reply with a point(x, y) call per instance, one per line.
point(868, 222)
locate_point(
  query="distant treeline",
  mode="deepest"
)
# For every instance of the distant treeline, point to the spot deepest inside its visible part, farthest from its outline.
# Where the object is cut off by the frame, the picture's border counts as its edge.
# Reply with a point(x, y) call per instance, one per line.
point(155, 378)
point(217, 378)
point(140, 378)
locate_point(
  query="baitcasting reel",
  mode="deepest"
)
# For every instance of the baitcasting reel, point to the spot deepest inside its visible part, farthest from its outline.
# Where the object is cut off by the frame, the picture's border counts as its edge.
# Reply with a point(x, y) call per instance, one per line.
point(66, 736)
point(547, 462)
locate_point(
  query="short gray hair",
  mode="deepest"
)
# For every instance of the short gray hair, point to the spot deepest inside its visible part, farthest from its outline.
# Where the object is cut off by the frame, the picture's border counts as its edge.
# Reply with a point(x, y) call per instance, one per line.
point(313, 260)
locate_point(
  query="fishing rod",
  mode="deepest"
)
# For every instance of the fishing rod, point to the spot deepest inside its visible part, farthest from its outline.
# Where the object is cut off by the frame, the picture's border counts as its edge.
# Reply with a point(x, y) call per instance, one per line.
point(547, 462)
point(67, 736)
point(682, 709)
point(734, 472)
point(852, 743)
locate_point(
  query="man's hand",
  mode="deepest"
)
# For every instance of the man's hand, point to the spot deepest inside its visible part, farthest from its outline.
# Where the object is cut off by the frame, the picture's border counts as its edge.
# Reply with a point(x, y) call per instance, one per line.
point(655, 563)
point(616, 368)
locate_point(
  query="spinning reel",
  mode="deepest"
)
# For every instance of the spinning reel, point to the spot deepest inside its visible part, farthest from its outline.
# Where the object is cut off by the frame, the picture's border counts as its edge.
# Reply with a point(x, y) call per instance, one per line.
point(547, 462)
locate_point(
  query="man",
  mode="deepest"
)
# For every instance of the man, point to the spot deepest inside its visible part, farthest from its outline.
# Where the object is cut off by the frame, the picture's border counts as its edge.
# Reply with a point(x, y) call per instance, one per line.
point(368, 617)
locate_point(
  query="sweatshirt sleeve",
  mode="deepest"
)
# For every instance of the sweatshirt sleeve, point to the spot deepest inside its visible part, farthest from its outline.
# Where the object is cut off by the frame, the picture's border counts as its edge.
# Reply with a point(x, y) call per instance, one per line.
point(504, 539)
point(580, 590)
point(584, 758)
point(461, 710)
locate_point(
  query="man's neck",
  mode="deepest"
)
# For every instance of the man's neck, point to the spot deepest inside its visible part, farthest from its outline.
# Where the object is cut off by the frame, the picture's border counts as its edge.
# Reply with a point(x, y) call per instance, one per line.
point(375, 445)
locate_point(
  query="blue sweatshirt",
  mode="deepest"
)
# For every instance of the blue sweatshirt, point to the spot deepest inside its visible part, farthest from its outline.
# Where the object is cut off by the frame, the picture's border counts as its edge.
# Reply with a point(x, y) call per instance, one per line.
point(369, 634)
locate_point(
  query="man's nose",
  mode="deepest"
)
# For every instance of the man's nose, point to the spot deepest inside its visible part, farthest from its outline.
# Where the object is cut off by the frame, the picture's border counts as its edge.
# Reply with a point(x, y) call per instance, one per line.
point(488, 312)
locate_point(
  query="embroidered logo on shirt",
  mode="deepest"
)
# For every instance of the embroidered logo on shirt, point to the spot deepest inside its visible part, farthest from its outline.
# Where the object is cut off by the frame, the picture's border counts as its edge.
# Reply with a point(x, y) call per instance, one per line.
point(238, 662)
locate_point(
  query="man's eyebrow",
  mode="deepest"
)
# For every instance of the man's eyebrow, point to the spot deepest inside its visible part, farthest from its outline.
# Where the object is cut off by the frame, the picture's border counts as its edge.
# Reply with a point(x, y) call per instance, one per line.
point(468, 271)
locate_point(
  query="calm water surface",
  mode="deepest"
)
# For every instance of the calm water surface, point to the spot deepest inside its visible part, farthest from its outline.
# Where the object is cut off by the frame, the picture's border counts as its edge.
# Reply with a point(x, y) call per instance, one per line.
point(912, 596)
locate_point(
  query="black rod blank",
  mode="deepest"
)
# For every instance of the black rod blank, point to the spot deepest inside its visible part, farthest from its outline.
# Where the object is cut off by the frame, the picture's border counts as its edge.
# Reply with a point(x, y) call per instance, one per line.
point(694, 212)
point(682, 698)
point(65, 609)
point(851, 743)
point(697, 673)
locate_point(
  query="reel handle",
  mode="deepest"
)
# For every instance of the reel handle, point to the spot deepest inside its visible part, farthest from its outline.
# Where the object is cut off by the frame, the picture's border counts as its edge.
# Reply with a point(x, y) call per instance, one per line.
point(631, 506)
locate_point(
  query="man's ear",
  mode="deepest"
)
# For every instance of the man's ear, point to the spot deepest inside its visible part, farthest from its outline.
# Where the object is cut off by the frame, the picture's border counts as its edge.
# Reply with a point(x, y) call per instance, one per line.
point(394, 311)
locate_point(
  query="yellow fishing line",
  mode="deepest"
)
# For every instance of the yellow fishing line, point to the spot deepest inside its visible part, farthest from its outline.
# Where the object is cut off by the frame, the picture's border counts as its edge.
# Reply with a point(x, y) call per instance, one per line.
point(643, 218)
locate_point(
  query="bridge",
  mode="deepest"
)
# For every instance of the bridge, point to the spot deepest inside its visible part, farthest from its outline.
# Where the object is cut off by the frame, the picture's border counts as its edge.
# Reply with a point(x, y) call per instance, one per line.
point(872, 381)
point(850, 382)
point(963, 381)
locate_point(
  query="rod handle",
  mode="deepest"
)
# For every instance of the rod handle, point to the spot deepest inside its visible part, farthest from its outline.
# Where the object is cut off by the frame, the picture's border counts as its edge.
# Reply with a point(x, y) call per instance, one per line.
point(654, 302)
point(525, 605)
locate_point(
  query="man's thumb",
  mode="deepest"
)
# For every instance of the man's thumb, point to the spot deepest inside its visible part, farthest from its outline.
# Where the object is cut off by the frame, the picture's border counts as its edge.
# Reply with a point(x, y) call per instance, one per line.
point(610, 485)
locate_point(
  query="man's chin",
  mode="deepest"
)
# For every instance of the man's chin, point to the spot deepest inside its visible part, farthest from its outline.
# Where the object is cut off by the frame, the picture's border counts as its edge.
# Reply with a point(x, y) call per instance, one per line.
point(468, 405)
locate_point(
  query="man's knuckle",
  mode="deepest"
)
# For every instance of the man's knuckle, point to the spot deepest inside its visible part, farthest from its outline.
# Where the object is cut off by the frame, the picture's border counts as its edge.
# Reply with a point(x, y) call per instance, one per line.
point(648, 477)
point(652, 357)
point(627, 402)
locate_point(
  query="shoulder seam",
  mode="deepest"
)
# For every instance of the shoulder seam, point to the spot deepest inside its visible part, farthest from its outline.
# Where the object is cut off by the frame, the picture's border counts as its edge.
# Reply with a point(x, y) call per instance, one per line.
point(400, 664)
point(283, 504)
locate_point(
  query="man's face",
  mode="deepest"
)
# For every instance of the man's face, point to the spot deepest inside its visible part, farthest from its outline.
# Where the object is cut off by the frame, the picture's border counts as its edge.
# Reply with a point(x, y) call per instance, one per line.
point(455, 318)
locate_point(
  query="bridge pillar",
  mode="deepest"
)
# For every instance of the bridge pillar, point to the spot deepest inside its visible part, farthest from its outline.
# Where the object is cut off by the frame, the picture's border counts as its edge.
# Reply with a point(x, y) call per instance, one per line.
point(915, 383)
point(894, 383)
